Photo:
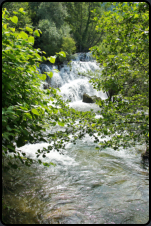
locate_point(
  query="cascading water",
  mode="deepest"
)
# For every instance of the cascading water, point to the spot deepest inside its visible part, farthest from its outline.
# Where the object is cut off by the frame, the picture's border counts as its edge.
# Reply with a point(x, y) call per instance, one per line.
point(86, 185)
point(72, 83)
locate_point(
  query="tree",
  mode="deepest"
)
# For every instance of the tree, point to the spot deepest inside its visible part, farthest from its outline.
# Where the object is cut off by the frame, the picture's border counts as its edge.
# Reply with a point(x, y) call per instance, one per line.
point(51, 39)
point(80, 19)
point(50, 20)
point(125, 62)
point(25, 110)
point(35, 17)
point(68, 45)
point(54, 11)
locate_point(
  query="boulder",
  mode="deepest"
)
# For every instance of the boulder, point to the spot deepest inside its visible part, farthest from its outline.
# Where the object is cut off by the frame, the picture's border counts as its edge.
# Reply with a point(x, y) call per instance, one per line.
point(90, 99)
point(145, 155)
point(46, 86)
point(95, 98)
point(87, 98)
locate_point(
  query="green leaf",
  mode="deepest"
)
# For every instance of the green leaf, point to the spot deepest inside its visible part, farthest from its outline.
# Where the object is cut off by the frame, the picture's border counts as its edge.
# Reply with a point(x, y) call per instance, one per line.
point(34, 111)
point(56, 70)
point(21, 10)
point(8, 128)
point(111, 56)
point(50, 74)
point(31, 39)
point(42, 76)
point(5, 26)
point(48, 164)
point(36, 33)
point(14, 19)
point(12, 29)
point(39, 161)
point(29, 29)
point(28, 115)
point(60, 123)
point(62, 54)
point(44, 58)
point(23, 35)
point(52, 59)
point(53, 164)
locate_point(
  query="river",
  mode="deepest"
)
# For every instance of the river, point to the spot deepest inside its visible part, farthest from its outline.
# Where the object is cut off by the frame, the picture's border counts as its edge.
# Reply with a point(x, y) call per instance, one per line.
point(86, 185)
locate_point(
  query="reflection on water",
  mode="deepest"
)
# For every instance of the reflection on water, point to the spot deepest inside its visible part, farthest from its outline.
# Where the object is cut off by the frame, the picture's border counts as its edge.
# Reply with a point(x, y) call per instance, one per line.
point(99, 187)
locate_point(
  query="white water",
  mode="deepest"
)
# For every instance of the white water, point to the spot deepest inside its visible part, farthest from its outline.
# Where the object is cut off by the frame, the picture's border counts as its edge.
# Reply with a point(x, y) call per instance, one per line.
point(71, 82)
point(86, 186)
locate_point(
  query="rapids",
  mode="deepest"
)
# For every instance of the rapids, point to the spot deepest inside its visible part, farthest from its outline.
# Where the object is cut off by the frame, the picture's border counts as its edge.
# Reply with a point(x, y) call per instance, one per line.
point(86, 185)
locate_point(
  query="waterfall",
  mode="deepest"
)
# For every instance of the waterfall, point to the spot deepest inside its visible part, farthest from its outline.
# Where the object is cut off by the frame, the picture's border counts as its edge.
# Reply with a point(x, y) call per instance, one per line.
point(71, 79)
point(86, 186)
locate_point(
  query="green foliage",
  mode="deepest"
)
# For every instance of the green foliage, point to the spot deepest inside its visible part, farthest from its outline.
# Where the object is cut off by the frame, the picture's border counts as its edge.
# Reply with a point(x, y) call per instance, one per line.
point(68, 45)
point(80, 19)
point(54, 11)
point(50, 40)
point(124, 55)
point(23, 16)
point(25, 110)
point(50, 20)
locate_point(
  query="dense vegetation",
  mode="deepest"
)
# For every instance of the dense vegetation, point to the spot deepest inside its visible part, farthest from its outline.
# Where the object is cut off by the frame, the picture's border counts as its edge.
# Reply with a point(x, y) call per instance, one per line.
point(119, 32)
point(124, 55)
point(26, 112)
point(23, 103)
point(34, 32)
point(60, 21)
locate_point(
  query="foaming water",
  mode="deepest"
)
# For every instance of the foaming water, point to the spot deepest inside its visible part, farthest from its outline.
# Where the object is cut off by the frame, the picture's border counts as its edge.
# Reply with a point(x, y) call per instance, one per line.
point(54, 156)
point(72, 79)
point(87, 186)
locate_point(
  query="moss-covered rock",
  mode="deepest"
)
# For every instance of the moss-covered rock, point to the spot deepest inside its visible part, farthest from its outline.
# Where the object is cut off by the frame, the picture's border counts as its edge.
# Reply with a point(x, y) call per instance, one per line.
point(95, 98)
point(87, 98)
point(90, 99)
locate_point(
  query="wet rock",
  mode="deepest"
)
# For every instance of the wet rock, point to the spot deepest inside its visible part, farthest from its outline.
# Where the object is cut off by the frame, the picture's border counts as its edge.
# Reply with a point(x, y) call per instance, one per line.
point(46, 86)
point(44, 68)
point(90, 99)
point(87, 98)
point(95, 98)
point(145, 155)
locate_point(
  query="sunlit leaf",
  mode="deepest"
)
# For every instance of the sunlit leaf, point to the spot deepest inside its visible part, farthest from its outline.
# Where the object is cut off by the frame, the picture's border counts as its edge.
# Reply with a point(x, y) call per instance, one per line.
point(50, 74)
point(60, 123)
point(31, 39)
point(23, 35)
point(14, 19)
point(52, 59)
point(34, 111)
point(21, 10)
point(29, 29)
point(62, 54)
point(36, 33)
